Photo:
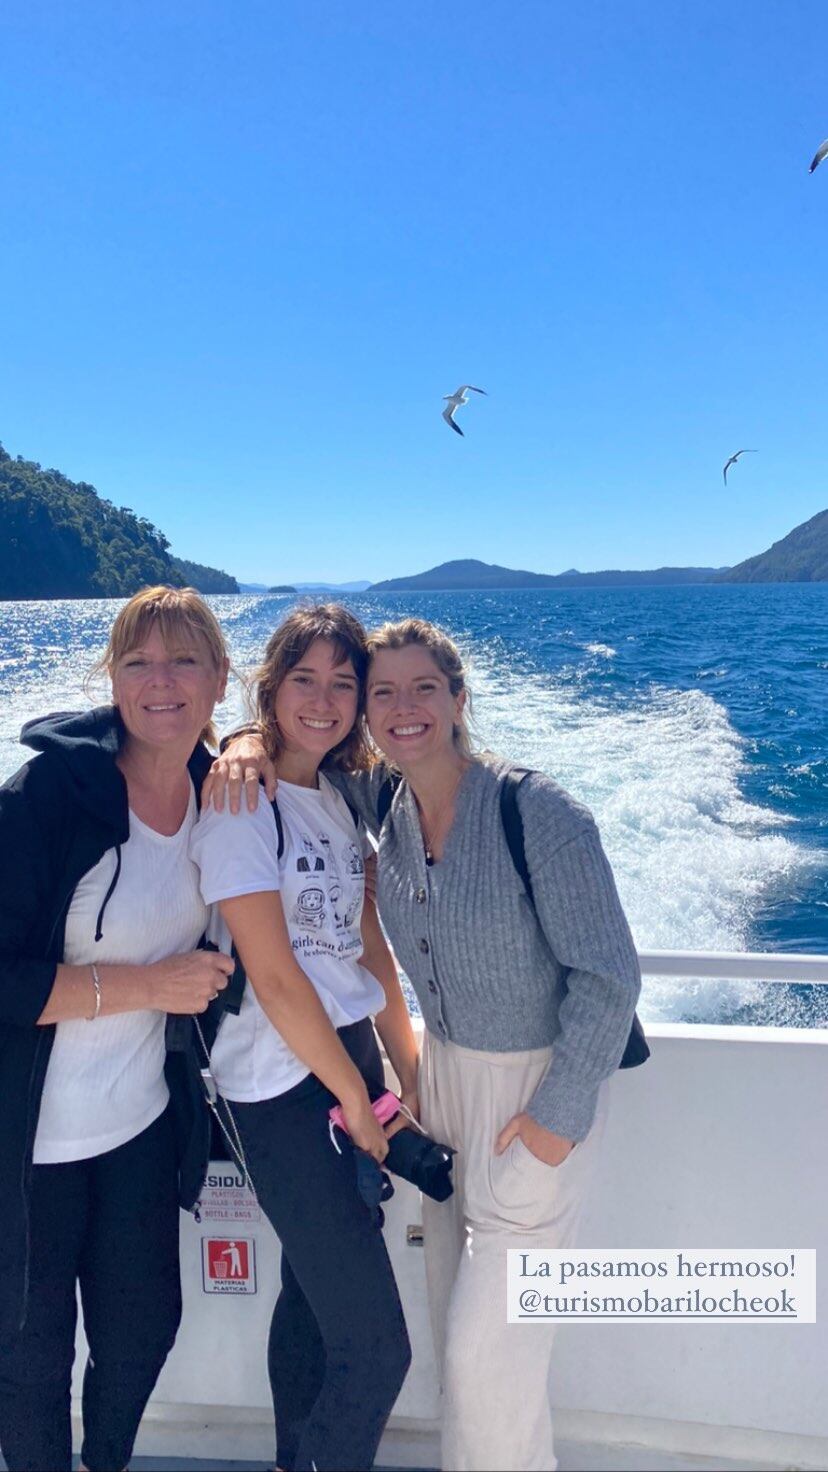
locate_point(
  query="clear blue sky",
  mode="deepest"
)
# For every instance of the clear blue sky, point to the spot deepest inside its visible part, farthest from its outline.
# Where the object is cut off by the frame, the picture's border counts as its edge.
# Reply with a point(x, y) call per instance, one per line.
point(245, 248)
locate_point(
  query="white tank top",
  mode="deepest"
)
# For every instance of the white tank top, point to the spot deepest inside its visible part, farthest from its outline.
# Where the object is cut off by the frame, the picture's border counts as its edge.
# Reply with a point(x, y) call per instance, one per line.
point(105, 1081)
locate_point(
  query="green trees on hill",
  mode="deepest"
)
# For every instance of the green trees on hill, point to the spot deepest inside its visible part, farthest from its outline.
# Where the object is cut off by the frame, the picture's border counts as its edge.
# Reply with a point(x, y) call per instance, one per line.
point(206, 579)
point(800, 557)
point(60, 539)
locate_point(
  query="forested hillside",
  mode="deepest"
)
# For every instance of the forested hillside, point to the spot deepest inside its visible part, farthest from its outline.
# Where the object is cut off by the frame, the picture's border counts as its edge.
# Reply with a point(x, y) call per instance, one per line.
point(60, 539)
point(206, 579)
point(800, 557)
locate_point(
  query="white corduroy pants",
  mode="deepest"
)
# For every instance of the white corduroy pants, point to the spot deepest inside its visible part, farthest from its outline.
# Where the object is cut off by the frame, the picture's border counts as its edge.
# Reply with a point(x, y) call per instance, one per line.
point(495, 1376)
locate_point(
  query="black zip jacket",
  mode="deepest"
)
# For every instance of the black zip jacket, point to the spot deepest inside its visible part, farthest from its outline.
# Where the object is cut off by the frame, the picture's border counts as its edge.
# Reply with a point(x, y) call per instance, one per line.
point(58, 816)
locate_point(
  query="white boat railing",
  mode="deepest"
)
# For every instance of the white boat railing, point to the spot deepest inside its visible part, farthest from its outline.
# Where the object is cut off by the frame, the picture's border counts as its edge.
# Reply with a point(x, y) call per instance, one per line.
point(718, 1141)
point(736, 966)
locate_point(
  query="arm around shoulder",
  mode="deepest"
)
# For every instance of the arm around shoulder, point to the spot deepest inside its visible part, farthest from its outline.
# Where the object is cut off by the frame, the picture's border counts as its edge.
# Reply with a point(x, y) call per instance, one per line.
point(362, 791)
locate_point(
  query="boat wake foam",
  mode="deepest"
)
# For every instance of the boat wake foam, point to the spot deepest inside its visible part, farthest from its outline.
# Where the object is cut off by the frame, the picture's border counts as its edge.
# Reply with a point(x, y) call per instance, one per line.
point(692, 858)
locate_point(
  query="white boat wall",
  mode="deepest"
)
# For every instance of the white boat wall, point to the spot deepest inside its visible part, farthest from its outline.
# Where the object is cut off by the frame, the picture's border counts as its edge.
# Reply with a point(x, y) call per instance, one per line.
point(720, 1141)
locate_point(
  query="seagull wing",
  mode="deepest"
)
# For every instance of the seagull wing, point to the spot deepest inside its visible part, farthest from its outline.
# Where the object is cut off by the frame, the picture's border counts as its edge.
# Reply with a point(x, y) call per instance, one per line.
point(475, 390)
point(733, 460)
point(447, 413)
point(821, 153)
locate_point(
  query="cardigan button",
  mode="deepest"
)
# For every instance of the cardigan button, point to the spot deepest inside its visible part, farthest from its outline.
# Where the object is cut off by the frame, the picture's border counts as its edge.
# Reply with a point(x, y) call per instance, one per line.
point(420, 896)
point(424, 947)
point(432, 985)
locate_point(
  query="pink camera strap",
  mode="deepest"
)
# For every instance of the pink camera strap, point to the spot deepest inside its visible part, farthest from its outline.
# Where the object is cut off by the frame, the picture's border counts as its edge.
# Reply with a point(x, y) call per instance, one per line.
point(385, 1107)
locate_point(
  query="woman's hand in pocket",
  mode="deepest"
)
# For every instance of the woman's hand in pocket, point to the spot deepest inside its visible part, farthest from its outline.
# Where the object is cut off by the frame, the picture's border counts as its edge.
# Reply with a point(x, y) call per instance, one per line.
point(544, 1144)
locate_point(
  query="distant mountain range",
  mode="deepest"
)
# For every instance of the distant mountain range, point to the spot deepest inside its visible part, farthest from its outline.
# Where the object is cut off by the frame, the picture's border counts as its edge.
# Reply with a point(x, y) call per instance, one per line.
point(358, 587)
point(60, 539)
point(469, 573)
point(800, 557)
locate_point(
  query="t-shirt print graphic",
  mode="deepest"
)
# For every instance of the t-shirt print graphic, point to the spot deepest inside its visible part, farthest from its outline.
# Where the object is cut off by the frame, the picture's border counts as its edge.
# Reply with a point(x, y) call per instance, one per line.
point(353, 870)
point(318, 873)
point(332, 894)
point(309, 909)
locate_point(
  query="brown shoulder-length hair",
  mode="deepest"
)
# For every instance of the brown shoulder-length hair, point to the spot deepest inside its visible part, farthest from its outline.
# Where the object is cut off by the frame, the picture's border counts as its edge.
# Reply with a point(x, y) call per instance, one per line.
point(180, 615)
point(286, 647)
point(446, 656)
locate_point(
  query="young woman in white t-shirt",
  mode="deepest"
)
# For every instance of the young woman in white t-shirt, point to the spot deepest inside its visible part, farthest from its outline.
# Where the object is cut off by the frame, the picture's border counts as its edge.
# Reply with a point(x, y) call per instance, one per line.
point(318, 970)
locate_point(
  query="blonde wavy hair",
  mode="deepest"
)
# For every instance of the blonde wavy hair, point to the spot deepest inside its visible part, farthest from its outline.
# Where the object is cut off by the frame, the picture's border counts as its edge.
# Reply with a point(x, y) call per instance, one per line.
point(180, 615)
point(447, 658)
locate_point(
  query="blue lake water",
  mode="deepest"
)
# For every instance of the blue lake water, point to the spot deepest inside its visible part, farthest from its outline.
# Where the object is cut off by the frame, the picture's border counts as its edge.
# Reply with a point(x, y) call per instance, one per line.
point(693, 721)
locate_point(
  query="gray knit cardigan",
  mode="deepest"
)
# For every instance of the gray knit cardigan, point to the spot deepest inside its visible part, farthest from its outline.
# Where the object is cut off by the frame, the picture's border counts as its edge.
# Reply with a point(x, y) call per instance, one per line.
point(490, 972)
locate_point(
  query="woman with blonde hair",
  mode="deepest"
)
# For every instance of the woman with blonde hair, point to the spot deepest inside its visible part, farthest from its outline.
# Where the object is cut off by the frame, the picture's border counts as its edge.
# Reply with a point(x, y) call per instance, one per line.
point(103, 1136)
point(514, 939)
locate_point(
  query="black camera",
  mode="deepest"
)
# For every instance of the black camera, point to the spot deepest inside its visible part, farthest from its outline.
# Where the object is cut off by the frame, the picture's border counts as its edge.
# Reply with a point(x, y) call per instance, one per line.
point(422, 1161)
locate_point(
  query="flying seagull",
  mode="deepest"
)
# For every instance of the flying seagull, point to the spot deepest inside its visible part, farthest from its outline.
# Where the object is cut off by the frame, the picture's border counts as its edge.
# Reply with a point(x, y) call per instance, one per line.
point(733, 459)
point(821, 153)
point(456, 401)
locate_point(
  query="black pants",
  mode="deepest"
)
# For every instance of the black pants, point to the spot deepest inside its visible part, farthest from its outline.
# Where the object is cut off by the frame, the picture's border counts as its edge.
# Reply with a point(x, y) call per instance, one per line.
point(109, 1223)
point(338, 1351)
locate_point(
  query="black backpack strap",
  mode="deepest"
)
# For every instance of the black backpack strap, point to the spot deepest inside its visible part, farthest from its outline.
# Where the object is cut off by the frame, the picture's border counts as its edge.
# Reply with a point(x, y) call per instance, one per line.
point(385, 796)
point(513, 825)
point(234, 991)
point(351, 809)
point(637, 1050)
point(280, 832)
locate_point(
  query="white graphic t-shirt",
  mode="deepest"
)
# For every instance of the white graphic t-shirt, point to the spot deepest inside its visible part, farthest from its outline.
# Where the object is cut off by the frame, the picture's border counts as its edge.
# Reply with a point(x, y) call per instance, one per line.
point(320, 878)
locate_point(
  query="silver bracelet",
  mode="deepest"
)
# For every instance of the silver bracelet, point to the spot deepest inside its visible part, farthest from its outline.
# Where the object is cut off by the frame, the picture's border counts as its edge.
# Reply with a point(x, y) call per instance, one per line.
point(96, 982)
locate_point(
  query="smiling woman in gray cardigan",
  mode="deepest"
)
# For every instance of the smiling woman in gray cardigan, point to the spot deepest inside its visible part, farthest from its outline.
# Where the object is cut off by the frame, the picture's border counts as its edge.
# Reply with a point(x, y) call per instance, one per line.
point(528, 1002)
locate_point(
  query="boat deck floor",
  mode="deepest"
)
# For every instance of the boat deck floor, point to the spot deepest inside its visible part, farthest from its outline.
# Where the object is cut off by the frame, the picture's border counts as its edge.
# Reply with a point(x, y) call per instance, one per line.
point(580, 1458)
point(577, 1459)
point(572, 1457)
